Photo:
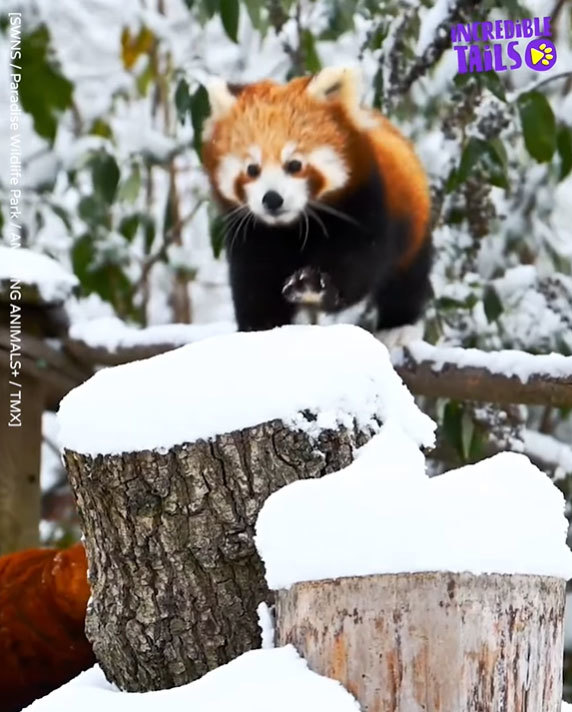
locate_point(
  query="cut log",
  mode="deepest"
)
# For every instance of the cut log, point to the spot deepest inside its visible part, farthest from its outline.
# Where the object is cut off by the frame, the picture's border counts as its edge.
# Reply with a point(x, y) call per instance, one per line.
point(174, 573)
point(433, 641)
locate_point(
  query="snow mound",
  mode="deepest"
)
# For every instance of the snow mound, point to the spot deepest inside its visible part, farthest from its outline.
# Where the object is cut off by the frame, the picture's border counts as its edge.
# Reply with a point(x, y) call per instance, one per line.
point(112, 334)
point(234, 381)
point(54, 283)
point(258, 681)
point(383, 515)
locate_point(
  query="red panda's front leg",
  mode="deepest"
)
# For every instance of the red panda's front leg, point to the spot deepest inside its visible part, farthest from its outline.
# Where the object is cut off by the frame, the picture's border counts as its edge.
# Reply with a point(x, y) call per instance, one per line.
point(258, 300)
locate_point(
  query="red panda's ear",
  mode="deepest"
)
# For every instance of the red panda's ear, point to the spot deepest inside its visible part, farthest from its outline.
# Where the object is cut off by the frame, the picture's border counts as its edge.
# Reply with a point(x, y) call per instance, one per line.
point(221, 98)
point(341, 84)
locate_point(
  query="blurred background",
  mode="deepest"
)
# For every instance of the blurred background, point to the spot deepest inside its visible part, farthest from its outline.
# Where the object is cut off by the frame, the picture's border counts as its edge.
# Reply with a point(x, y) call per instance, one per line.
point(113, 192)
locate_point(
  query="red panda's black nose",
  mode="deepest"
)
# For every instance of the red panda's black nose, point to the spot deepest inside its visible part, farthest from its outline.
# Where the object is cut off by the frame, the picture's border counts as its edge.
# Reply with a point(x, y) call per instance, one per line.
point(272, 201)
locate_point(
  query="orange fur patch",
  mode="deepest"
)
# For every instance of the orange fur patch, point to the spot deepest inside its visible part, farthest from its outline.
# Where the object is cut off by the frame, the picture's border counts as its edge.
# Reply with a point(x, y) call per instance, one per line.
point(406, 184)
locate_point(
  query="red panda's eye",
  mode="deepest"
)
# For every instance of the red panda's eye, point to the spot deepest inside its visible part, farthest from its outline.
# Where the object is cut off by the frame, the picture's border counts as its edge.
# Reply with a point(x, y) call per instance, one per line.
point(293, 166)
point(253, 170)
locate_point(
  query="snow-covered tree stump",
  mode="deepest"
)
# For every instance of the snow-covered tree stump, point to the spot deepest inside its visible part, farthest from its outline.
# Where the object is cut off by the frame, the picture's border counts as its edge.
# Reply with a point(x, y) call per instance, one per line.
point(171, 460)
point(433, 641)
point(174, 573)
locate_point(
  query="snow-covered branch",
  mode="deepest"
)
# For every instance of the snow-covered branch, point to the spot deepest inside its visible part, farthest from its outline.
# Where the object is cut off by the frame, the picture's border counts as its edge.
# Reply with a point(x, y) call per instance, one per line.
point(493, 376)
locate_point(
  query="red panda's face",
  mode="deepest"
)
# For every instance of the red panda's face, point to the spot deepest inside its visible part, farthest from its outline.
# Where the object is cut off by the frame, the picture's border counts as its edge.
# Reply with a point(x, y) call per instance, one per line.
point(276, 150)
point(277, 186)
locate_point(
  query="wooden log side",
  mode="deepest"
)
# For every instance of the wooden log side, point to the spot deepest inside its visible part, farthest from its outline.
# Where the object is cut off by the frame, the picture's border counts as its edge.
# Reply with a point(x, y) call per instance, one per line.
point(20, 451)
point(175, 576)
point(437, 642)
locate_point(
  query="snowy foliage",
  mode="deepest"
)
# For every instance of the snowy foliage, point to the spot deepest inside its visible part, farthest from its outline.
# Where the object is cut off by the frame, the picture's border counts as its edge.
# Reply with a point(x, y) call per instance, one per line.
point(53, 282)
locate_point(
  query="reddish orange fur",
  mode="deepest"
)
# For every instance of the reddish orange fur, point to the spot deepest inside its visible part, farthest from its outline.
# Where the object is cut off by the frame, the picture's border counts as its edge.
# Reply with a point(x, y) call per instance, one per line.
point(43, 600)
point(270, 115)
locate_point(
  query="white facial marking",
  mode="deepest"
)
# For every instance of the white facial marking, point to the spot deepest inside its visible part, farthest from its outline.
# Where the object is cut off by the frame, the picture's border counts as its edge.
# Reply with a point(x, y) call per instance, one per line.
point(255, 155)
point(288, 151)
point(292, 190)
point(228, 171)
point(331, 166)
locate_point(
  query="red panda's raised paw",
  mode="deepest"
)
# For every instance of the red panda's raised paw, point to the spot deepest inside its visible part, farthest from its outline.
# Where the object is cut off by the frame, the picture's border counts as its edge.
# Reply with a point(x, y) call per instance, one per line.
point(311, 288)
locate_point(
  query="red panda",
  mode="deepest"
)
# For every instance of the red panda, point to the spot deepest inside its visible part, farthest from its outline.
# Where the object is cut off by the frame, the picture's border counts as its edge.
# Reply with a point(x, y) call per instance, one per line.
point(325, 203)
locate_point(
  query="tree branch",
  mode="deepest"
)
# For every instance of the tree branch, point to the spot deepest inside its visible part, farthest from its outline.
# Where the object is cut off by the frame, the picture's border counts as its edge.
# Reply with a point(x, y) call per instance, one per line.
point(488, 377)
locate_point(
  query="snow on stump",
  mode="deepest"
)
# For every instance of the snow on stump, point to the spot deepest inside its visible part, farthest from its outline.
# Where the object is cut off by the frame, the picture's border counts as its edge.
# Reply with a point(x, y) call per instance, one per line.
point(367, 590)
point(171, 459)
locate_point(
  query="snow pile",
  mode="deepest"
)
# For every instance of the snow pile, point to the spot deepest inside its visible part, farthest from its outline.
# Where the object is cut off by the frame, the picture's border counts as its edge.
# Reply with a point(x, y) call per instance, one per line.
point(506, 362)
point(234, 381)
point(112, 334)
point(383, 515)
point(266, 624)
point(257, 681)
point(549, 451)
point(53, 282)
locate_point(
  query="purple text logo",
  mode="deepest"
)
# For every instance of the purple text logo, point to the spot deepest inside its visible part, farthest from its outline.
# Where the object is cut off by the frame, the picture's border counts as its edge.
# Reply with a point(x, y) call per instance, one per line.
point(482, 46)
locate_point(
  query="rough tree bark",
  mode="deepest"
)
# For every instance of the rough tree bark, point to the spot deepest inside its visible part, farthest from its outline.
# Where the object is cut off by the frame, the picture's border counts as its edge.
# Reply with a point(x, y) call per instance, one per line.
point(433, 641)
point(174, 573)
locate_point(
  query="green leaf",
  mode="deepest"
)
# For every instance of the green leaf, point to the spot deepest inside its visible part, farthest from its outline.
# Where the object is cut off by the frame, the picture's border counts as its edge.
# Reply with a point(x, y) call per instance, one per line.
point(493, 83)
point(182, 100)
point(101, 128)
point(105, 176)
point(253, 10)
point(340, 19)
point(311, 58)
point(128, 226)
point(217, 233)
point(149, 232)
point(492, 304)
point(108, 280)
point(92, 210)
point(467, 434)
point(129, 189)
point(229, 14)
point(200, 110)
point(538, 125)
point(488, 156)
point(452, 426)
point(209, 8)
point(144, 80)
point(564, 144)
point(62, 214)
point(83, 257)
point(44, 91)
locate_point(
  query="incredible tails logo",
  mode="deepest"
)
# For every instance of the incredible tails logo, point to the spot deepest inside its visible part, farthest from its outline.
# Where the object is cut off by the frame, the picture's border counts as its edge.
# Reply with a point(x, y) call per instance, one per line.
point(479, 48)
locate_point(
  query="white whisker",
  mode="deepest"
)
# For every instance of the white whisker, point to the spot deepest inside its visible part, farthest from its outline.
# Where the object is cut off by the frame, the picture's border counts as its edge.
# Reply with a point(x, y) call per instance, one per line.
point(338, 213)
point(314, 214)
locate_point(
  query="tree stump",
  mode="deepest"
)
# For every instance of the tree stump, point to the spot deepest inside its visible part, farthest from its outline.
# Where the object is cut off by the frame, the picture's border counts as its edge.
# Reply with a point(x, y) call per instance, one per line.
point(433, 641)
point(175, 577)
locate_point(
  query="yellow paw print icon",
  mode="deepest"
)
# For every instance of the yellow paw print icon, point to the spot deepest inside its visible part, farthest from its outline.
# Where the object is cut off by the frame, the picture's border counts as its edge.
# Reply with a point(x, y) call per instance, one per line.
point(547, 51)
point(543, 54)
